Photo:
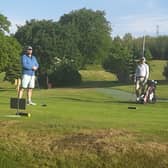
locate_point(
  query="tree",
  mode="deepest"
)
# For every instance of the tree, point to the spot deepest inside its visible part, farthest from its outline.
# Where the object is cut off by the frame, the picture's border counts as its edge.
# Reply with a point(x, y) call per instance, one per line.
point(9, 52)
point(4, 24)
point(138, 48)
point(11, 59)
point(13, 72)
point(118, 60)
point(128, 41)
point(49, 40)
point(65, 74)
point(93, 31)
point(67, 45)
point(157, 46)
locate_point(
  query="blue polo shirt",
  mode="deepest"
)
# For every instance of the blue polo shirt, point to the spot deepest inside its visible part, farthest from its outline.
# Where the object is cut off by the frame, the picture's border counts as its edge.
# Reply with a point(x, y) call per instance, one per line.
point(27, 64)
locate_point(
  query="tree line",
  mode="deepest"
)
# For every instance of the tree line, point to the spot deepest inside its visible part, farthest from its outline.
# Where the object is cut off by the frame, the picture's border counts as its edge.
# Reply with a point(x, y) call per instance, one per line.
point(77, 39)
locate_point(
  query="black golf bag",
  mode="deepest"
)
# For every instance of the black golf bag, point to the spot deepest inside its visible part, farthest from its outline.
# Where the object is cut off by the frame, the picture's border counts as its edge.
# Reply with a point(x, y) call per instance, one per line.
point(150, 94)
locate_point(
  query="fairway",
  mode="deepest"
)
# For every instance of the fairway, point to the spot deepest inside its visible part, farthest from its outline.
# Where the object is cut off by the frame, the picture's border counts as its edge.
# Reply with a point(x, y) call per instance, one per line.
point(83, 127)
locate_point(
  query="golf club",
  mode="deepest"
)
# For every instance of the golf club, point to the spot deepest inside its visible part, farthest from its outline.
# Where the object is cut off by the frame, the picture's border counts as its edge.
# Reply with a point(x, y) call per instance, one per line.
point(38, 86)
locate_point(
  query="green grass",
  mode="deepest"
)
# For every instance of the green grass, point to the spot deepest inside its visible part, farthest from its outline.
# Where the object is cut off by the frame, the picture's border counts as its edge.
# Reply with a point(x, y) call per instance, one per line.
point(157, 67)
point(160, 90)
point(4, 84)
point(98, 75)
point(83, 127)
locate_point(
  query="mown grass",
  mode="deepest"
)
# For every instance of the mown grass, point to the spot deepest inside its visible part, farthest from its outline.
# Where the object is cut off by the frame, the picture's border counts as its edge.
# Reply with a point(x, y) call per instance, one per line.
point(98, 75)
point(156, 69)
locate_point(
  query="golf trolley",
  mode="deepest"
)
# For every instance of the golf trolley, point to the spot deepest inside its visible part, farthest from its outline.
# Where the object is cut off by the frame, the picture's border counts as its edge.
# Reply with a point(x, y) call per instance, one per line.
point(150, 94)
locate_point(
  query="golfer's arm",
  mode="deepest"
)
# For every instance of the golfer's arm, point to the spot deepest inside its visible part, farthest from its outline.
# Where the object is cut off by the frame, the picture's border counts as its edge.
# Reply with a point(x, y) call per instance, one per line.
point(25, 64)
point(147, 72)
point(36, 64)
point(136, 72)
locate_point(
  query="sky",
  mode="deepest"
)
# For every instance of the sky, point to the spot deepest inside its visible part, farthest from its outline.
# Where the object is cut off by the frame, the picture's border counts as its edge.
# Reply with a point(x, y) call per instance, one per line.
point(138, 17)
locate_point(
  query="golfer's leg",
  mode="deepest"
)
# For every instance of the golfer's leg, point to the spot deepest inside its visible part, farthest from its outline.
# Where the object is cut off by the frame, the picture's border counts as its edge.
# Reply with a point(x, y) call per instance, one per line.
point(30, 90)
point(18, 85)
point(24, 84)
point(20, 93)
point(143, 88)
point(137, 87)
point(29, 95)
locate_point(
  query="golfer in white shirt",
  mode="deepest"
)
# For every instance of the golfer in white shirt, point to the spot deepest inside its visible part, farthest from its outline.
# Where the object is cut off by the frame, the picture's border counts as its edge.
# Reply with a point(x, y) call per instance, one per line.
point(141, 77)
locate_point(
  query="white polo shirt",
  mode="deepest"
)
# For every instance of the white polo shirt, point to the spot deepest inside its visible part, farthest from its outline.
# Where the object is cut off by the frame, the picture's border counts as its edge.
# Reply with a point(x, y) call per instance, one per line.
point(142, 70)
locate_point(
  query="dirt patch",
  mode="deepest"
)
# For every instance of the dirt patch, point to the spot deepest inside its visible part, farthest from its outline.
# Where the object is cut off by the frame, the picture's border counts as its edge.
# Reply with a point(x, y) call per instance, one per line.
point(110, 140)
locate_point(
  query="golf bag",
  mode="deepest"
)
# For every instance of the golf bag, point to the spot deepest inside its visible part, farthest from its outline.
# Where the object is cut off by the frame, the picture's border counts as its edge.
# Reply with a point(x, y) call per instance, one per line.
point(150, 94)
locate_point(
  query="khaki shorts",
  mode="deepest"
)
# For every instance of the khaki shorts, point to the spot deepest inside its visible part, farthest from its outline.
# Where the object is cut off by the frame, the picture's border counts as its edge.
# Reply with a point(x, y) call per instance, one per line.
point(140, 83)
point(28, 81)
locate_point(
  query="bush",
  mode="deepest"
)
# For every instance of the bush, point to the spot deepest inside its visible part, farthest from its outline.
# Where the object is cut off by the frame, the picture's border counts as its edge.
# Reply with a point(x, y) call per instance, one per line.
point(117, 62)
point(117, 66)
point(65, 75)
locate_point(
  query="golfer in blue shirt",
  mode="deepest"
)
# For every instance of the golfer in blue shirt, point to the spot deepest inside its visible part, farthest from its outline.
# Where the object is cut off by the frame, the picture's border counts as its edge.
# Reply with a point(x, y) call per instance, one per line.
point(29, 66)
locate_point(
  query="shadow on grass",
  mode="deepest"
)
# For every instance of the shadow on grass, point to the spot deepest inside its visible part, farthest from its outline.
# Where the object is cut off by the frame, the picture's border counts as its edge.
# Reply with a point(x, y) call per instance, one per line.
point(127, 102)
point(95, 100)
point(6, 89)
point(84, 100)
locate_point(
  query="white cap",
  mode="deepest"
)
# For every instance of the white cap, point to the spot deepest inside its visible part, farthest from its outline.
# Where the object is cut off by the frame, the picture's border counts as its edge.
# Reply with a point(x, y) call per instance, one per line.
point(29, 48)
point(143, 58)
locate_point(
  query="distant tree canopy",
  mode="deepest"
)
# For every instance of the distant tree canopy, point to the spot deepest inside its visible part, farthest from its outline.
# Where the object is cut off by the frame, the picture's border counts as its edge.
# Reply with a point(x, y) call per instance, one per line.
point(158, 47)
point(79, 38)
point(123, 54)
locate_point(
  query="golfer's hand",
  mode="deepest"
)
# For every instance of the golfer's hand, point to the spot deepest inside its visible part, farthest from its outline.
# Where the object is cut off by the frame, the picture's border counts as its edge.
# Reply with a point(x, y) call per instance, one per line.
point(34, 68)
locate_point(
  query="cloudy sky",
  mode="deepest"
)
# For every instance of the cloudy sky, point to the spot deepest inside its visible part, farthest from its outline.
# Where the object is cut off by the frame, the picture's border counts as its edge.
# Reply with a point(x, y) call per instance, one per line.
point(137, 17)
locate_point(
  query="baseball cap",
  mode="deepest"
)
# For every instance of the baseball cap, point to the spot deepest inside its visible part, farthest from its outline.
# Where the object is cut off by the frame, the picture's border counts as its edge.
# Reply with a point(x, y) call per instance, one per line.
point(29, 48)
point(143, 58)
